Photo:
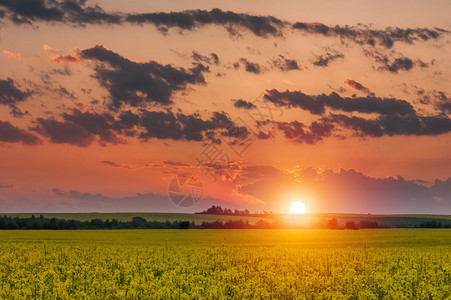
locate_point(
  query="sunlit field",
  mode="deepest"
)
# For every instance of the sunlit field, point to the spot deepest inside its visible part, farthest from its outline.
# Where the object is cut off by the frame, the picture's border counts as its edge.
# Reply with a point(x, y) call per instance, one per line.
point(221, 264)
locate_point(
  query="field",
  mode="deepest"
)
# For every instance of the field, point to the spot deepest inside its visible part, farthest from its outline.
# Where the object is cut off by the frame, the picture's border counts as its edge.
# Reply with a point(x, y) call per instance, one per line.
point(226, 264)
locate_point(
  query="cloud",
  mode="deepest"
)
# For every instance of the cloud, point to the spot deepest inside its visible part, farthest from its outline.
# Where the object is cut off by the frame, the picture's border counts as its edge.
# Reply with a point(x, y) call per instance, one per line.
point(339, 125)
point(65, 59)
point(148, 202)
point(285, 64)
point(390, 125)
point(300, 133)
point(50, 49)
point(12, 134)
point(61, 132)
point(317, 104)
point(140, 84)
point(67, 11)
point(347, 191)
point(168, 166)
point(358, 86)
point(207, 59)
point(261, 26)
point(324, 59)
point(442, 102)
point(7, 186)
point(79, 128)
point(179, 126)
point(85, 128)
point(363, 35)
point(250, 67)
point(10, 94)
point(323, 190)
point(394, 62)
point(11, 55)
point(240, 103)
point(111, 163)
point(78, 13)
point(395, 117)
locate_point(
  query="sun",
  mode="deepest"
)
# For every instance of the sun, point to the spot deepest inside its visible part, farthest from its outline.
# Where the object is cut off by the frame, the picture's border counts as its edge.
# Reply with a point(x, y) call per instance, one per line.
point(297, 208)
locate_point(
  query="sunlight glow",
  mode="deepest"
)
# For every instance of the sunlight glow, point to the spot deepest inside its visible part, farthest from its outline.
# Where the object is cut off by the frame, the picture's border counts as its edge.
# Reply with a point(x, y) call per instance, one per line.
point(297, 208)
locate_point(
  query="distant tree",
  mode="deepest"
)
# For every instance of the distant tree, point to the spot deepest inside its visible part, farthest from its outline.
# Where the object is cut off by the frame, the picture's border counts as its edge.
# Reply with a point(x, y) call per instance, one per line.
point(351, 225)
point(184, 225)
point(332, 224)
point(431, 224)
point(368, 224)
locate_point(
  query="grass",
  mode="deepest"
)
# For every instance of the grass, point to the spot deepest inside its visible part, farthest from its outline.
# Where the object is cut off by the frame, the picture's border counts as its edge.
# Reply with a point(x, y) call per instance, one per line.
point(226, 264)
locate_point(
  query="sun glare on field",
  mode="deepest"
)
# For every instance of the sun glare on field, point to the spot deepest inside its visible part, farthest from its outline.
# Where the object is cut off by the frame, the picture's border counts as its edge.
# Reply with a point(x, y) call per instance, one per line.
point(297, 208)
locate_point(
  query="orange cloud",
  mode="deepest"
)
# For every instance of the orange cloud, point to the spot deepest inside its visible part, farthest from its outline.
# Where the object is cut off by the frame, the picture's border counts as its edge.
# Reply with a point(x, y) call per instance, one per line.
point(358, 87)
point(11, 55)
point(50, 49)
point(65, 59)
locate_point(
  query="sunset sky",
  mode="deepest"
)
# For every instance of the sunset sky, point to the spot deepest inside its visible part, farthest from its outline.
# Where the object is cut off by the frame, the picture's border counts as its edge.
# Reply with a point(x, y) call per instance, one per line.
point(343, 105)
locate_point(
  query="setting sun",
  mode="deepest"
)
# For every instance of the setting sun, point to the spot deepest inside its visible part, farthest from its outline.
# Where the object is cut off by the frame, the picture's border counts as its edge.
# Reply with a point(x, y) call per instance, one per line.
point(297, 208)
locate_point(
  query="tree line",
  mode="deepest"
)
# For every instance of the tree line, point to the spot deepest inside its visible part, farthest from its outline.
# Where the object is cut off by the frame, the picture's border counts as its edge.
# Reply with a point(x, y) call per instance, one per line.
point(218, 210)
point(41, 222)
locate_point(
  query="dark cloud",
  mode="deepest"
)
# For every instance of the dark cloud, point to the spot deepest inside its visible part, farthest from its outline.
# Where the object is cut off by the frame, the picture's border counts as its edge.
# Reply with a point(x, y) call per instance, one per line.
point(67, 11)
point(325, 59)
point(397, 64)
point(316, 104)
point(62, 132)
point(179, 126)
point(207, 59)
point(85, 128)
point(390, 125)
point(79, 128)
point(10, 94)
point(396, 117)
point(240, 103)
point(140, 84)
point(96, 124)
point(7, 186)
point(250, 67)
point(442, 102)
point(366, 36)
point(300, 133)
point(338, 125)
point(175, 163)
point(12, 134)
point(285, 64)
point(111, 163)
point(262, 26)
point(358, 86)
point(394, 62)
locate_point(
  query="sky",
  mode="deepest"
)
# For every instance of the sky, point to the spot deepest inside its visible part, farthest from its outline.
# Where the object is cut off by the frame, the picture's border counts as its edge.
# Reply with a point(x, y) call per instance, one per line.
point(174, 106)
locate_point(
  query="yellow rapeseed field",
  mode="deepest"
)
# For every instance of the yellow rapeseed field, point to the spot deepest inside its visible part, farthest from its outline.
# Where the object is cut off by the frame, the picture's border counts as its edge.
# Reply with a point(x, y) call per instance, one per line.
point(226, 264)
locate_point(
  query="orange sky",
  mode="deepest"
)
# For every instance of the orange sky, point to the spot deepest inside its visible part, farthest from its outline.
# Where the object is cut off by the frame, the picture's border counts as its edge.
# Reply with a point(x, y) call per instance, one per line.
point(68, 79)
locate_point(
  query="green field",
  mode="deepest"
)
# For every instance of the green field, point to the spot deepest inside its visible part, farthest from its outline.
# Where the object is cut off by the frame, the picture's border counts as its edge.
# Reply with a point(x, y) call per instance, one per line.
point(226, 264)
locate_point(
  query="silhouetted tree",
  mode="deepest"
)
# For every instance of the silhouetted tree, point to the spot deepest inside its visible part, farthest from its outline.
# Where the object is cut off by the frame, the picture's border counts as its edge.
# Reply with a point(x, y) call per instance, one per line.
point(351, 225)
point(332, 223)
point(184, 225)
